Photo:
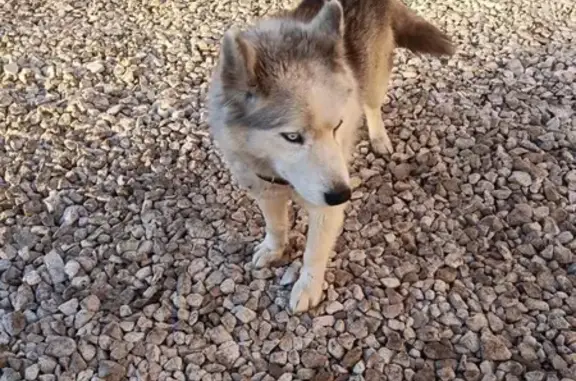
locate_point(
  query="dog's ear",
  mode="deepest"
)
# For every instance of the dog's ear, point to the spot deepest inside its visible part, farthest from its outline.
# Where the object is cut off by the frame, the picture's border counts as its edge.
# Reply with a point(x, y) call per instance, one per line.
point(238, 59)
point(330, 19)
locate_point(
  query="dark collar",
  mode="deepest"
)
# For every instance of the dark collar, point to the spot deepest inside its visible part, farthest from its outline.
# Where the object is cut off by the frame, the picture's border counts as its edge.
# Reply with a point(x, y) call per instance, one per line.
point(274, 180)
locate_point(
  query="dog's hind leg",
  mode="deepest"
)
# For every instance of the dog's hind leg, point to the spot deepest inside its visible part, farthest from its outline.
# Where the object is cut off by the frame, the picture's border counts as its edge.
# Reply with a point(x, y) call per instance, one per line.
point(274, 208)
point(379, 139)
point(376, 86)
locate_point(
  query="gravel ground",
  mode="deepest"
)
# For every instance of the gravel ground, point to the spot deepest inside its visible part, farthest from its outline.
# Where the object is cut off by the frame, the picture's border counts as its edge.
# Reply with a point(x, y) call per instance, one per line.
point(124, 245)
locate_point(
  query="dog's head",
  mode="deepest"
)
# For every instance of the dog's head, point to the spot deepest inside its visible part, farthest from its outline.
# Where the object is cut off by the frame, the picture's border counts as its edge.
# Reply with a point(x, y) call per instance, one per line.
point(284, 98)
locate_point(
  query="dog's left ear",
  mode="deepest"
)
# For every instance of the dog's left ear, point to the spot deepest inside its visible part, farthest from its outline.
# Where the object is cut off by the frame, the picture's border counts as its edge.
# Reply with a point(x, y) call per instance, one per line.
point(330, 19)
point(238, 57)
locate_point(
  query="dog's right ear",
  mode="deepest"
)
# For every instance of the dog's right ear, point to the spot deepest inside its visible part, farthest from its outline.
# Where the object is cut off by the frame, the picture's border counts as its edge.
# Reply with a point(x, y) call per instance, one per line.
point(330, 19)
point(238, 59)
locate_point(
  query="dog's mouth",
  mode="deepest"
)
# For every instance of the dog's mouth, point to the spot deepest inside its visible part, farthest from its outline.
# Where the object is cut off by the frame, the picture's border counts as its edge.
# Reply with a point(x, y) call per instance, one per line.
point(276, 180)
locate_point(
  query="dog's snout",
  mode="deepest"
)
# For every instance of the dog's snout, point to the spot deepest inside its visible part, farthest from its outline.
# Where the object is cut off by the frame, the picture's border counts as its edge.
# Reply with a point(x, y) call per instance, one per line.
point(338, 195)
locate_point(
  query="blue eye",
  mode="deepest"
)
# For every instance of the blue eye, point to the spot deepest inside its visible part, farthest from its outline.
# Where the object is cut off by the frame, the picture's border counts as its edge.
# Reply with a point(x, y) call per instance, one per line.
point(293, 137)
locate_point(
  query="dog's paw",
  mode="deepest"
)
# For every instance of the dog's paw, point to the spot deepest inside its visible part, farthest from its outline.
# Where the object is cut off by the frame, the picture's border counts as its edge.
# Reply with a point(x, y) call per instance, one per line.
point(266, 253)
point(306, 293)
point(382, 144)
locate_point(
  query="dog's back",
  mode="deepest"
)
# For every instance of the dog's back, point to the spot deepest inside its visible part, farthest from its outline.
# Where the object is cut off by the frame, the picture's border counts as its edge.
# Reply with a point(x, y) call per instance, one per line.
point(369, 24)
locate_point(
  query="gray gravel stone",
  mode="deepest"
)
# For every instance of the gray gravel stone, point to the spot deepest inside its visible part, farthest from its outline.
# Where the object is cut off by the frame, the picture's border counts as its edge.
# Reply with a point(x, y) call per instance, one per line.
point(493, 348)
point(522, 178)
point(31, 372)
point(228, 353)
point(55, 266)
point(70, 307)
point(312, 359)
point(60, 346)
point(14, 323)
point(245, 315)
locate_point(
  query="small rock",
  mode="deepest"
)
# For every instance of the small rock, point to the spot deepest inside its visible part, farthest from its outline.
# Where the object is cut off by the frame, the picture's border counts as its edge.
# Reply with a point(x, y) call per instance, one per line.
point(357, 255)
point(227, 354)
point(23, 298)
point(70, 307)
point(245, 315)
point(11, 68)
point(173, 364)
point(527, 352)
point(333, 307)
point(438, 351)
point(14, 323)
point(465, 143)
point(390, 282)
point(32, 278)
point(60, 346)
point(477, 322)
point(521, 214)
point(227, 286)
point(95, 67)
point(373, 375)
point(515, 66)
point(31, 373)
point(493, 348)
point(447, 274)
point(8, 252)
point(219, 335)
point(402, 171)
point(324, 321)
point(454, 260)
point(46, 364)
point(87, 351)
point(134, 337)
point(71, 215)
point(471, 341)
point(9, 374)
point(359, 368)
point(312, 359)
point(563, 255)
point(71, 269)
point(111, 371)
point(198, 229)
point(196, 266)
point(290, 275)
point(82, 318)
point(536, 375)
point(324, 375)
point(352, 357)
point(55, 266)
point(392, 311)
point(335, 349)
point(91, 303)
point(522, 178)
point(156, 336)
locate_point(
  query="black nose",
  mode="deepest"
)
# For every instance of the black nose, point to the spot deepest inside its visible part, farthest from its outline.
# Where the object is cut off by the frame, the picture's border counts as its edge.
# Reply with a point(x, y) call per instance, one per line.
point(338, 195)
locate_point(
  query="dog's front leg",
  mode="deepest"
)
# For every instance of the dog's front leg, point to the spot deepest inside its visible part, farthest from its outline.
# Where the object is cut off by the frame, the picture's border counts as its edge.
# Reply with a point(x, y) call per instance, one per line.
point(274, 207)
point(324, 226)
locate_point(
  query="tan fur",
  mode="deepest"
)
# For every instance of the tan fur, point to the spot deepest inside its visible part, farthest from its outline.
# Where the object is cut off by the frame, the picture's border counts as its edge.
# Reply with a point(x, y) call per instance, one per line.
point(285, 104)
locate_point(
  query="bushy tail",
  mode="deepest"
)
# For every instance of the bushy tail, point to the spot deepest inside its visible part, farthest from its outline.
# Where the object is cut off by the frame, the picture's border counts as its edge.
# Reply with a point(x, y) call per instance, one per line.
point(416, 34)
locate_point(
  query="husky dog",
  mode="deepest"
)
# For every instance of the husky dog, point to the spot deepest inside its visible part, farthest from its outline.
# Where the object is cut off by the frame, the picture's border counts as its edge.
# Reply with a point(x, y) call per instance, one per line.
point(285, 103)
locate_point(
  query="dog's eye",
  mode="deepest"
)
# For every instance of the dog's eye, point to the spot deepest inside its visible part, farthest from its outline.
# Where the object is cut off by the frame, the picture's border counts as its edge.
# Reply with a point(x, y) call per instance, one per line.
point(293, 137)
point(337, 127)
